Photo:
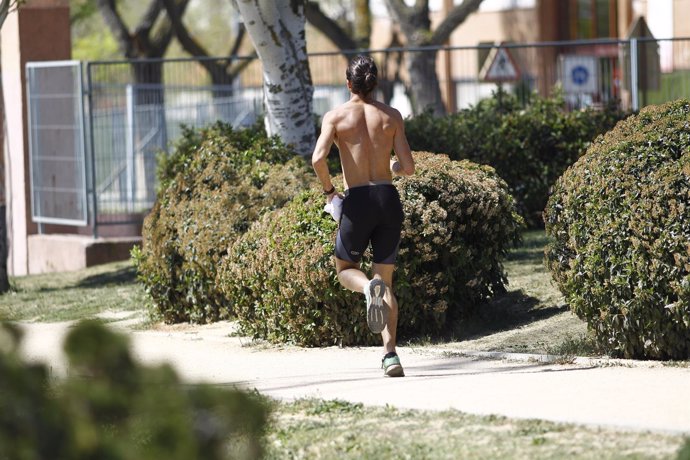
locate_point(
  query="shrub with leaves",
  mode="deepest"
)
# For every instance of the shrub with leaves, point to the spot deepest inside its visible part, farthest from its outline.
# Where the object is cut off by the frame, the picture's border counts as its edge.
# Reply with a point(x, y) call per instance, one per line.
point(185, 148)
point(459, 223)
point(224, 180)
point(110, 407)
point(620, 223)
point(529, 147)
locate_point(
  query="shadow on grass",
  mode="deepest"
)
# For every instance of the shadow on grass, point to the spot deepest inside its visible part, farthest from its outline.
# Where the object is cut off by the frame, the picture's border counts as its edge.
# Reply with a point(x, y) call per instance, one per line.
point(122, 276)
point(505, 312)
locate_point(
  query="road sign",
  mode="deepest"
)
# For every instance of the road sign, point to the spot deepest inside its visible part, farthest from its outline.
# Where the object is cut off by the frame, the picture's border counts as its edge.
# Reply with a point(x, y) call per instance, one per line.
point(499, 66)
point(580, 74)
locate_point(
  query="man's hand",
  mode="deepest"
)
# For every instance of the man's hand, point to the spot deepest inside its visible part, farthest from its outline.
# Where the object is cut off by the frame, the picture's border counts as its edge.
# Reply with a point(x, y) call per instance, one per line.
point(395, 167)
point(330, 197)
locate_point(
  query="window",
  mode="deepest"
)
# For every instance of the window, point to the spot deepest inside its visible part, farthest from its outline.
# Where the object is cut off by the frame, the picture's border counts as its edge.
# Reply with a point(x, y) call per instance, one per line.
point(593, 19)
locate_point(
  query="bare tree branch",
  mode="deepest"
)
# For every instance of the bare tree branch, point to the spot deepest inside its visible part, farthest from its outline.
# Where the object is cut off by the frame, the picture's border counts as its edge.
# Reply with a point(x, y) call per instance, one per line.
point(149, 19)
point(328, 27)
point(8, 6)
point(162, 36)
point(239, 37)
point(186, 40)
point(221, 71)
point(403, 15)
point(141, 44)
point(117, 26)
point(455, 17)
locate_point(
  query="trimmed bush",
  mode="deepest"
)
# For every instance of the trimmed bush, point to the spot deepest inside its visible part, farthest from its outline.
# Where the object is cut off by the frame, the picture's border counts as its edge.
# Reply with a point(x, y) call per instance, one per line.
point(109, 407)
point(185, 148)
point(459, 223)
point(529, 147)
point(224, 180)
point(620, 223)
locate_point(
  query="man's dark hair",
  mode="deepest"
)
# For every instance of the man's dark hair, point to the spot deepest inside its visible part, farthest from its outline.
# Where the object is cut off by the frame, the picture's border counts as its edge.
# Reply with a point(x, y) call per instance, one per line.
point(362, 75)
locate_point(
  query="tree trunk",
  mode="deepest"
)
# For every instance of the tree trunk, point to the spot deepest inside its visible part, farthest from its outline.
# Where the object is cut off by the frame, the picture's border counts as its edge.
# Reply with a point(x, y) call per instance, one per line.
point(4, 279)
point(276, 27)
point(6, 6)
point(148, 79)
point(424, 89)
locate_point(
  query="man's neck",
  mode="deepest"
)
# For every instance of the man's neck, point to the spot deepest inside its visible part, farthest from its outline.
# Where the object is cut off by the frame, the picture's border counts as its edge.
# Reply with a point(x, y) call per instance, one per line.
point(368, 99)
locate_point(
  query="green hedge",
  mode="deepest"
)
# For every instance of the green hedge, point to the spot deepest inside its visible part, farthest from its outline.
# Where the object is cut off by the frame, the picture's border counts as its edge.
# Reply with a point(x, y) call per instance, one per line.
point(109, 407)
point(459, 223)
point(620, 223)
point(216, 183)
point(529, 147)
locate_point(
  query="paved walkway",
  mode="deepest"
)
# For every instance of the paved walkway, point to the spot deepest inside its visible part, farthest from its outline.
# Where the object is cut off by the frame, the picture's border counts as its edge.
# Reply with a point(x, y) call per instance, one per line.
point(621, 394)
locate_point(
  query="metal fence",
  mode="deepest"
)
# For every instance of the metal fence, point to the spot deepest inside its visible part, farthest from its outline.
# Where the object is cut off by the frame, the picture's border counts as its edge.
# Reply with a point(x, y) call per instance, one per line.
point(135, 109)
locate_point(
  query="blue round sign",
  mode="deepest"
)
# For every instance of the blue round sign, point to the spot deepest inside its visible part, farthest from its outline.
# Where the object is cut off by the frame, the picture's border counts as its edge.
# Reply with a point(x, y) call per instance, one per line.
point(579, 74)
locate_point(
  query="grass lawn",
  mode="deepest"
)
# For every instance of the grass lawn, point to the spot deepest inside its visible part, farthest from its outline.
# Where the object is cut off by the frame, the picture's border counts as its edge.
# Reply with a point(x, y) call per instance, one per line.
point(530, 317)
point(73, 295)
point(316, 429)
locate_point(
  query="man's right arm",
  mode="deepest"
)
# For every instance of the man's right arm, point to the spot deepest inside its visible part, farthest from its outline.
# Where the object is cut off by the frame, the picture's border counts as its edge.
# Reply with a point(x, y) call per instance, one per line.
point(404, 165)
point(319, 157)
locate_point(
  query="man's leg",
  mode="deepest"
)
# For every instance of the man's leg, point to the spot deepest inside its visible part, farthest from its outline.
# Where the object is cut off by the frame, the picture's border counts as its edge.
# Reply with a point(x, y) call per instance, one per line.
point(350, 276)
point(385, 272)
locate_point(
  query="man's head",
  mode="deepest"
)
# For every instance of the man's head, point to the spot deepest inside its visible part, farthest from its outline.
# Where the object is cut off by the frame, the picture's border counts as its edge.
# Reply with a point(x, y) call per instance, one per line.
point(362, 75)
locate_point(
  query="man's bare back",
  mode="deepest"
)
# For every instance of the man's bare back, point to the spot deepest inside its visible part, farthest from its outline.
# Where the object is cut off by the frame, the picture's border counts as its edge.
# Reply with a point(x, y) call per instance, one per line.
point(366, 132)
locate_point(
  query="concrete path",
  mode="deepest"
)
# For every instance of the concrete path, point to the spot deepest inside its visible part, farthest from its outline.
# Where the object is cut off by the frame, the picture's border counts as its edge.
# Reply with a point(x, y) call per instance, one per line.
point(620, 394)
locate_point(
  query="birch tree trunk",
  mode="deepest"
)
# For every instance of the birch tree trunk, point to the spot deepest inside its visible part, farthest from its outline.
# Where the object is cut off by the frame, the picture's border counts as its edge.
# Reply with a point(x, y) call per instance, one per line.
point(276, 28)
point(6, 7)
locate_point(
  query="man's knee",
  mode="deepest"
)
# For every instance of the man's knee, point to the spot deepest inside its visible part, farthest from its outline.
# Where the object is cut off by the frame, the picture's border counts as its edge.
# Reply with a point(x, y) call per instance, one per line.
point(342, 265)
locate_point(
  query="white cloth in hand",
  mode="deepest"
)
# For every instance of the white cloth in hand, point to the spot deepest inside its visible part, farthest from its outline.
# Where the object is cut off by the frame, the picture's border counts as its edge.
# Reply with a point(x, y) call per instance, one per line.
point(335, 208)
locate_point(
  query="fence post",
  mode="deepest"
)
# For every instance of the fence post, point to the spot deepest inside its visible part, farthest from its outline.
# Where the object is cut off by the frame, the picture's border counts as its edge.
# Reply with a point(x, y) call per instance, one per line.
point(634, 69)
point(129, 120)
point(92, 150)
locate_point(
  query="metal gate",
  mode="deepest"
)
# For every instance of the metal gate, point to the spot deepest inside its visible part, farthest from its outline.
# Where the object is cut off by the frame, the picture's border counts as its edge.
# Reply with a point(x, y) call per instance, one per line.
point(56, 143)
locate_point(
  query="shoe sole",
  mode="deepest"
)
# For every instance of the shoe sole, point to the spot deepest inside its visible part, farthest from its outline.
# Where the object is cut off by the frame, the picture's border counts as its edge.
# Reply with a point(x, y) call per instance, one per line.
point(377, 310)
point(395, 370)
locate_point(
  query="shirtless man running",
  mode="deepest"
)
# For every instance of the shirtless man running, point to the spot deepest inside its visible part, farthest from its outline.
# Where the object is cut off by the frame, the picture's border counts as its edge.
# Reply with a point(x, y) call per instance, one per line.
point(366, 132)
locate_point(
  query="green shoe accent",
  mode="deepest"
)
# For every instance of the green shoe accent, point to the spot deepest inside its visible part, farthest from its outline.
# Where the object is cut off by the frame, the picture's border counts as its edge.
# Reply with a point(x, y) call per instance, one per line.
point(391, 365)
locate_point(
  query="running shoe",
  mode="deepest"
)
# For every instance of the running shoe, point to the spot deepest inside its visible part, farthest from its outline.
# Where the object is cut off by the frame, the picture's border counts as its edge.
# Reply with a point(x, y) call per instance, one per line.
point(377, 310)
point(391, 365)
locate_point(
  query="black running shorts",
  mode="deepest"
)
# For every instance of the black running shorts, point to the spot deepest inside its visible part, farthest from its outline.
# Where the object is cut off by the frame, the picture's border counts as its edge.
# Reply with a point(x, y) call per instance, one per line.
point(371, 213)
